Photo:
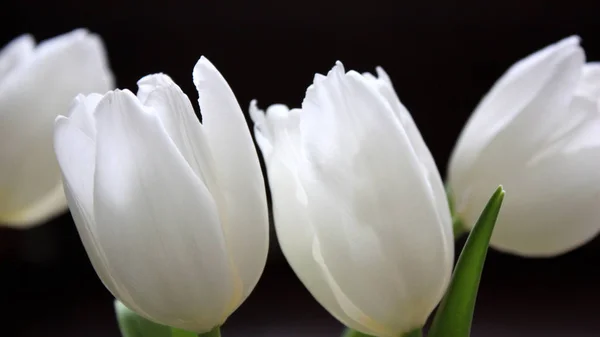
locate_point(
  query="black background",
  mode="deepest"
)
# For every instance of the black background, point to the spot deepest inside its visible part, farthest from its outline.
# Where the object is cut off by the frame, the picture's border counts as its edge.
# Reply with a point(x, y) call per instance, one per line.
point(442, 57)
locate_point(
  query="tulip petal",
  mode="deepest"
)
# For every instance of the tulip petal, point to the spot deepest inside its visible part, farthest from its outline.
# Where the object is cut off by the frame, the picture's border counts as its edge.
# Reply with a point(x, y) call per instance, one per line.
point(267, 124)
point(295, 232)
point(541, 83)
point(176, 113)
point(559, 207)
point(156, 222)
point(69, 64)
point(262, 130)
point(589, 85)
point(239, 176)
point(75, 152)
point(350, 133)
point(82, 111)
point(562, 70)
point(14, 53)
point(558, 192)
point(384, 85)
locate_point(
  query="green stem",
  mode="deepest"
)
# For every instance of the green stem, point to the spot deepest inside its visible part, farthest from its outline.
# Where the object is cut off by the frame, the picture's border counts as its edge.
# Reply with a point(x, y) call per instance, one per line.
point(353, 333)
point(458, 227)
point(181, 333)
point(414, 333)
point(216, 332)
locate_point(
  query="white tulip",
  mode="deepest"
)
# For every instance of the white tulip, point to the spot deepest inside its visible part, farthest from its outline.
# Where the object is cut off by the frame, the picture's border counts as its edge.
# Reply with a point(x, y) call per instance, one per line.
point(172, 212)
point(360, 209)
point(38, 83)
point(537, 132)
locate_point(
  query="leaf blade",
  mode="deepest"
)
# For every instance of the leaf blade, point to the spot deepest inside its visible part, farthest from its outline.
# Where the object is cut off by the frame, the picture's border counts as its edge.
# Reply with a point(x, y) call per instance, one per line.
point(455, 313)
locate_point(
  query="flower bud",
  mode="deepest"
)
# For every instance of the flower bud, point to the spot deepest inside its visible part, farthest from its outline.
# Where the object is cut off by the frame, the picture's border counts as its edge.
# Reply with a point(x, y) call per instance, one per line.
point(360, 209)
point(172, 212)
point(537, 133)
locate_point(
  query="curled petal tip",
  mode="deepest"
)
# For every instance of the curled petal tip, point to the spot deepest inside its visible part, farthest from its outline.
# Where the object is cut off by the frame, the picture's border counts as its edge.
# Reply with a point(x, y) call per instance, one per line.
point(59, 119)
point(152, 78)
point(255, 113)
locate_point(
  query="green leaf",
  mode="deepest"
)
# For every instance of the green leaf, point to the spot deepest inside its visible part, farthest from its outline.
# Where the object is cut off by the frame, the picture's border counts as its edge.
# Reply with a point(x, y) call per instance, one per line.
point(134, 325)
point(455, 312)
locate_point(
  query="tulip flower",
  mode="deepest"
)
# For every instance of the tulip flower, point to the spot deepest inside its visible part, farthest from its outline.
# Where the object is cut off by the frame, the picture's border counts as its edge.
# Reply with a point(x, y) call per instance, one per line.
point(537, 132)
point(38, 83)
point(359, 206)
point(172, 213)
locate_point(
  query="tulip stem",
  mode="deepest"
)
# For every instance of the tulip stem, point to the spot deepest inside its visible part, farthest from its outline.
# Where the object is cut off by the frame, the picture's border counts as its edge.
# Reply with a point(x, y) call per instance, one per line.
point(457, 227)
point(216, 332)
point(414, 333)
point(181, 333)
point(353, 333)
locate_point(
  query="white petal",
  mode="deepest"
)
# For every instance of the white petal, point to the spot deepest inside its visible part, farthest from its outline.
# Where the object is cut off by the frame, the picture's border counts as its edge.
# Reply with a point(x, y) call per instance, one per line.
point(30, 100)
point(541, 119)
point(239, 176)
point(385, 87)
point(542, 83)
point(382, 231)
point(46, 207)
point(15, 53)
point(295, 231)
point(268, 124)
point(554, 207)
point(75, 152)
point(262, 130)
point(82, 111)
point(296, 236)
point(551, 204)
point(176, 113)
point(589, 85)
point(156, 222)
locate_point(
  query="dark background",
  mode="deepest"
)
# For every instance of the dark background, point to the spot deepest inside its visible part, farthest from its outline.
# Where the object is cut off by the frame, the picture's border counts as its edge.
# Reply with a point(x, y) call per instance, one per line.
point(442, 57)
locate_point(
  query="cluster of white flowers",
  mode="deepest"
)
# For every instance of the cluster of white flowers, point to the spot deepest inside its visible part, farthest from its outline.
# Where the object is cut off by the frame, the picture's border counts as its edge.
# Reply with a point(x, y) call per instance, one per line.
point(173, 212)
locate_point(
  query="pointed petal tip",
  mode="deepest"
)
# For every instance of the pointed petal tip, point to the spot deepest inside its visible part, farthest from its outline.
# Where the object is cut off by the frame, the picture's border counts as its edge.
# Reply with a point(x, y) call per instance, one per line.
point(77, 100)
point(338, 67)
point(202, 66)
point(382, 74)
point(572, 43)
point(573, 39)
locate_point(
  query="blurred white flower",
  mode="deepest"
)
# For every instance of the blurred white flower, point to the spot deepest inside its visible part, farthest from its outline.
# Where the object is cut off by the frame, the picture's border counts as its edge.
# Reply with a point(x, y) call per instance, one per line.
point(537, 132)
point(359, 206)
point(38, 83)
point(172, 212)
